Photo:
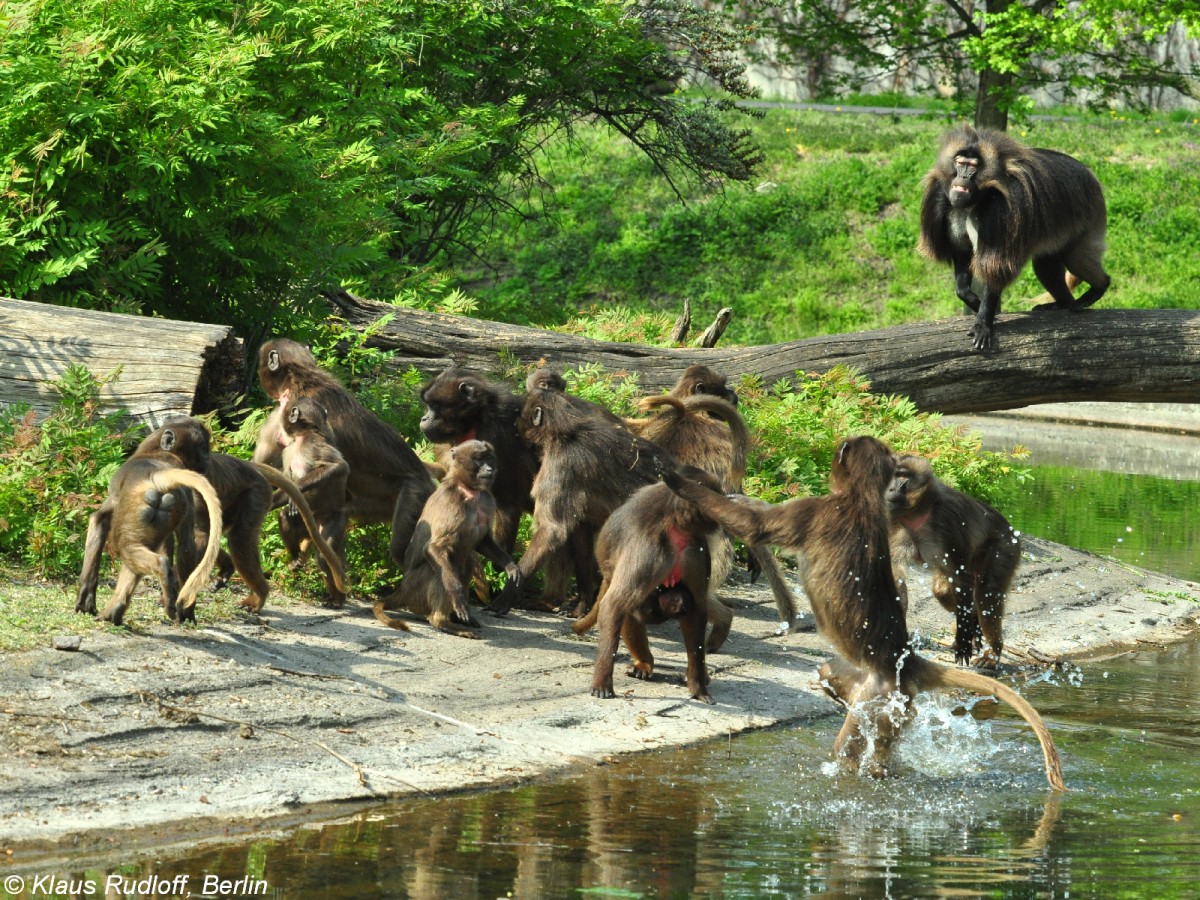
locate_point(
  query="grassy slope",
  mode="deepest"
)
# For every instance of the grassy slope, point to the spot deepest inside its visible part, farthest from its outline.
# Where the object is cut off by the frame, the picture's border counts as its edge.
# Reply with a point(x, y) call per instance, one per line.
point(824, 240)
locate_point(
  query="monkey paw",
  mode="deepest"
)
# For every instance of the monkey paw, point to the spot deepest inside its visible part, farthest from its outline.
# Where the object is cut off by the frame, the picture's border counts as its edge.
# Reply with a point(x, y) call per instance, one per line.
point(86, 603)
point(982, 337)
point(603, 693)
point(641, 670)
point(703, 697)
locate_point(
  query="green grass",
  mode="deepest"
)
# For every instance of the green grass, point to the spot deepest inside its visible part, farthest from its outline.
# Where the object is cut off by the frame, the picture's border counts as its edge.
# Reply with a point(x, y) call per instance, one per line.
point(34, 612)
point(824, 241)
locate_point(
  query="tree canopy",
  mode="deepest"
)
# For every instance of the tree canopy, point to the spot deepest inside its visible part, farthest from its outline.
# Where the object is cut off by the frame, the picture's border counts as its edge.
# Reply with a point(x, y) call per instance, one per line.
point(994, 52)
point(220, 161)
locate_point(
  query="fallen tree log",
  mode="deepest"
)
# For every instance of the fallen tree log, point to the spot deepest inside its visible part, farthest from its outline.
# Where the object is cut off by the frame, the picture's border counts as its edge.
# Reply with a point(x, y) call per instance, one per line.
point(1147, 355)
point(164, 368)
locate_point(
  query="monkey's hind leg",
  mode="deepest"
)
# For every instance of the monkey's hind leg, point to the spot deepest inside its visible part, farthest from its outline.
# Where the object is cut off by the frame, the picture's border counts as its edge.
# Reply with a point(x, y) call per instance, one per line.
point(633, 633)
point(381, 609)
point(127, 582)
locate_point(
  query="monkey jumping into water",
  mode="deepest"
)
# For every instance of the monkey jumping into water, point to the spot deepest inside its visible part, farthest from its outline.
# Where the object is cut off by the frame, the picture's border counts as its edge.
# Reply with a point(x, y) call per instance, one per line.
point(848, 578)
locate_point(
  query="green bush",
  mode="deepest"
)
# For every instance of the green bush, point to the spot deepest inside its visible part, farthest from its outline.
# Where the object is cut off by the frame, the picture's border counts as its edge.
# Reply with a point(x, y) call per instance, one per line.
point(55, 473)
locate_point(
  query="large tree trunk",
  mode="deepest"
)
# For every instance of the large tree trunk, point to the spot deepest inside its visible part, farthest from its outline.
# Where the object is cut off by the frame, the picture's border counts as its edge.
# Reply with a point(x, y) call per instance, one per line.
point(992, 96)
point(1098, 354)
point(164, 368)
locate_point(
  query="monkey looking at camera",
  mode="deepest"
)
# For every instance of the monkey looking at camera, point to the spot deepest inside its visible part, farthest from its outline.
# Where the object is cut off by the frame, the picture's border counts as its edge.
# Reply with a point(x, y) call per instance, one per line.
point(387, 481)
point(849, 582)
point(455, 524)
point(147, 518)
point(320, 473)
point(970, 547)
point(991, 204)
point(655, 565)
point(461, 405)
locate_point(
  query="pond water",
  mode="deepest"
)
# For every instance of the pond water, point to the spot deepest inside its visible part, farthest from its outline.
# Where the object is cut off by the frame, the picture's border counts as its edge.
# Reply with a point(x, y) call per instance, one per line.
point(765, 816)
point(1144, 520)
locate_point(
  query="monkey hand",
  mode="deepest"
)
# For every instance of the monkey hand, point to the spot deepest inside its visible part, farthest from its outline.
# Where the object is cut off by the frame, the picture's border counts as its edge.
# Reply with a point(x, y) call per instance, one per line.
point(513, 576)
point(753, 567)
point(982, 336)
point(503, 601)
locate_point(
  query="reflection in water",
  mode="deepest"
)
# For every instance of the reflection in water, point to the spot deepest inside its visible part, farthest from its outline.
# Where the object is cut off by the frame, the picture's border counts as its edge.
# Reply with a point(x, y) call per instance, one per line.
point(766, 815)
point(1149, 522)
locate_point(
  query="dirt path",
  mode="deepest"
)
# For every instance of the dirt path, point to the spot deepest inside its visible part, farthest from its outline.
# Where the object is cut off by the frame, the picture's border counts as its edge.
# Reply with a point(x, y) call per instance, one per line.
point(234, 722)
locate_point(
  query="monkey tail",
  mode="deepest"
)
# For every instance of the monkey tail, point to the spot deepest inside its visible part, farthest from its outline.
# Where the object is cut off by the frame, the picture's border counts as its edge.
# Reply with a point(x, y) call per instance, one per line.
point(927, 673)
point(278, 480)
point(172, 478)
point(658, 400)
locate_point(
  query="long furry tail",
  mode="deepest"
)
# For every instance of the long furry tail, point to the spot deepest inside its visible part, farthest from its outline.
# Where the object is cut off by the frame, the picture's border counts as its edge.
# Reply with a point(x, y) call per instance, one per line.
point(278, 480)
point(926, 673)
point(172, 478)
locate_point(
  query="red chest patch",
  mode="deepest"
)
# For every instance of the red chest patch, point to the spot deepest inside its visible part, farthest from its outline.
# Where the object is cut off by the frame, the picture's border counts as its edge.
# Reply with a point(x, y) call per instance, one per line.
point(679, 540)
point(469, 436)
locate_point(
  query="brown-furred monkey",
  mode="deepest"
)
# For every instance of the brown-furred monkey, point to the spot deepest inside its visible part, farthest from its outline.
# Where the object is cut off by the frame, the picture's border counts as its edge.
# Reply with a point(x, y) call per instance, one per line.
point(590, 464)
point(970, 547)
point(655, 565)
point(245, 490)
point(387, 482)
point(455, 524)
point(461, 405)
point(699, 425)
point(320, 473)
point(848, 578)
point(991, 204)
point(147, 518)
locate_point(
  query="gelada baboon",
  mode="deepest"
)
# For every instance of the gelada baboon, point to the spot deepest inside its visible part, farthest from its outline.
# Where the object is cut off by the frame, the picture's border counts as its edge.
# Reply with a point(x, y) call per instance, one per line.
point(148, 516)
point(590, 464)
point(576, 556)
point(320, 474)
point(462, 405)
point(971, 549)
point(387, 482)
point(455, 524)
point(699, 425)
point(992, 203)
point(655, 565)
point(848, 578)
point(245, 491)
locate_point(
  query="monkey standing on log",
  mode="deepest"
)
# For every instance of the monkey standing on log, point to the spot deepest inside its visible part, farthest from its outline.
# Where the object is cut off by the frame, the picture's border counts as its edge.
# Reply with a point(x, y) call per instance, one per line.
point(147, 516)
point(455, 524)
point(848, 578)
point(971, 548)
point(387, 482)
point(655, 565)
point(992, 203)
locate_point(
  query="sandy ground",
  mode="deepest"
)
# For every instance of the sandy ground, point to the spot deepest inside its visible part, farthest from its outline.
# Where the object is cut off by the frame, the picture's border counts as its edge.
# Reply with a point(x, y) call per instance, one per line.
point(214, 729)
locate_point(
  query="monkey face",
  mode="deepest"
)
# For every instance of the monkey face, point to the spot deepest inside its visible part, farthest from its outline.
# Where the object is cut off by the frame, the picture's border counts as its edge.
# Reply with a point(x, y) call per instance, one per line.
point(455, 401)
point(963, 188)
point(477, 462)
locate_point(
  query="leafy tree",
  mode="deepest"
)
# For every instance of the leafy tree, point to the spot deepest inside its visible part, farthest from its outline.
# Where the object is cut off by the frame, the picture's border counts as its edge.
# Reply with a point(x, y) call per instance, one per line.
point(223, 161)
point(997, 51)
